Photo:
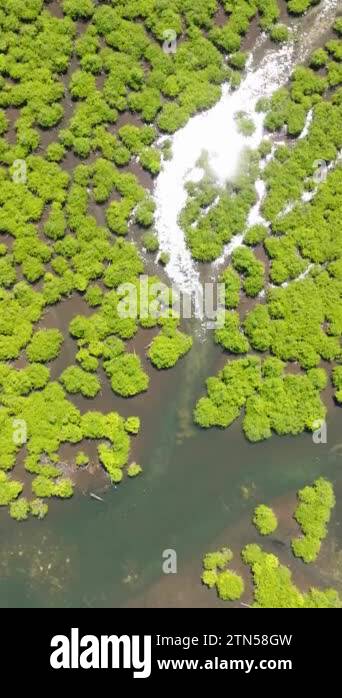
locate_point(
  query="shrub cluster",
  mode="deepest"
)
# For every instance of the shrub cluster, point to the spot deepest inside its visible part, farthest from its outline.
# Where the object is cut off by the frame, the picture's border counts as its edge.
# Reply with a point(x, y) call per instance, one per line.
point(229, 585)
point(168, 347)
point(313, 514)
point(265, 520)
point(273, 401)
point(44, 345)
point(274, 588)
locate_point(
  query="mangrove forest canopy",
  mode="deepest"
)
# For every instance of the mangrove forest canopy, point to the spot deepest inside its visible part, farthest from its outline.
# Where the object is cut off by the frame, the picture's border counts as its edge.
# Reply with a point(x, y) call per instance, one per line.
point(91, 96)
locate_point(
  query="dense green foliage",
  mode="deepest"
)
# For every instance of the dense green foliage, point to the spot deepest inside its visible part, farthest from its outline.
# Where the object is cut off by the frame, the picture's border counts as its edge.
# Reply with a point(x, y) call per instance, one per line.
point(274, 588)
point(134, 469)
point(82, 459)
point(272, 400)
point(44, 345)
point(76, 380)
point(168, 347)
point(297, 316)
point(279, 33)
point(150, 242)
point(47, 207)
point(67, 84)
point(229, 585)
point(19, 509)
point(230, 335)
point(132, 425)
point(38, 508)
point(127, 376)
point(28, 399)
point(265, 520)
point(337, 382)
point(43, 486)
point(255, 235)
point(124, 42)
point(218, 559)
point(9, 489)
point(313, 514)
point(164, 258)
